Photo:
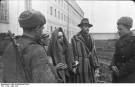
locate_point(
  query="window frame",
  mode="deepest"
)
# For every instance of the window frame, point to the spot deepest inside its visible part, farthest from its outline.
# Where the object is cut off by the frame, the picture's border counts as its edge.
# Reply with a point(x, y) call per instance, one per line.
point(6, 14)
point(55, 12)
point(51, 10)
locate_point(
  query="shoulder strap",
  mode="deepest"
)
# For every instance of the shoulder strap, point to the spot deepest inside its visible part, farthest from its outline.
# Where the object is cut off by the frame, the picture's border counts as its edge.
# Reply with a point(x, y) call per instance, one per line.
point(94, 51)
point(28, 73)
point(19, 56)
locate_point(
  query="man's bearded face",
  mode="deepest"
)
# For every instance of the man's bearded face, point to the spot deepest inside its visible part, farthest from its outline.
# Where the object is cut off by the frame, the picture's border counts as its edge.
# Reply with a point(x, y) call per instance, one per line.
point(85, 29)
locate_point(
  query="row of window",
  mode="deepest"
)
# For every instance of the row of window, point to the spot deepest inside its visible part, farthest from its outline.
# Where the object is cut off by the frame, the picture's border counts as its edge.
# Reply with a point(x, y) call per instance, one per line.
point(69, 18)
point(4, 17)
point(61, 16)
point(58, 14)
point(62, 3)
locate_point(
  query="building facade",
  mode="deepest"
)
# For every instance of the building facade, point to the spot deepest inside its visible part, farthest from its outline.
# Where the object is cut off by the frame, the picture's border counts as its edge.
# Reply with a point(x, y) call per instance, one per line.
point(59, 13)
point(105, 36)
point(9, 12)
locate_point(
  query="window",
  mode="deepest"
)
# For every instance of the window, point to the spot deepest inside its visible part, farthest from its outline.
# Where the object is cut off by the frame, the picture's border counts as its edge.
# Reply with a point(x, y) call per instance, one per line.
point(58, 1)
point(67, 18)
point(51, 29)
point(62, 2)
point(58, 14)
point(61, 16)
point(64, 5)
point(4, 11)
point(51, 9)
point(64, 18)
point(55, 13)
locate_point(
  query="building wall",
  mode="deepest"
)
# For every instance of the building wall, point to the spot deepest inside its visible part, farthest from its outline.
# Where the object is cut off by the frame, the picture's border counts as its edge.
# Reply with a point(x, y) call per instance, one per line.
point(68, 14)
point(59, 13)
point(75, 16)
point(15, 7)
point(57, 17)
point(133, 31)
point(104, 36)
point(107, 36)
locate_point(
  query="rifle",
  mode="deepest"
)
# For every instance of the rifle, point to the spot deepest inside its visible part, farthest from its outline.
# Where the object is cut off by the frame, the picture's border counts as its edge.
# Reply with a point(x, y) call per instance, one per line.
point(19, 55)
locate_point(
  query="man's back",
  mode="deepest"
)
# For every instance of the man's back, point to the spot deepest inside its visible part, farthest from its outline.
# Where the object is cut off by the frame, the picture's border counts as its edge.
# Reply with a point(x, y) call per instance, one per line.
point(36, 65)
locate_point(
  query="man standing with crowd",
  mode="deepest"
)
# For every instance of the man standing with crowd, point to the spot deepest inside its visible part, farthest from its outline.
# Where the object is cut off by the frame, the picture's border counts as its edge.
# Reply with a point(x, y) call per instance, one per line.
point(85, 59)
point(123, 63)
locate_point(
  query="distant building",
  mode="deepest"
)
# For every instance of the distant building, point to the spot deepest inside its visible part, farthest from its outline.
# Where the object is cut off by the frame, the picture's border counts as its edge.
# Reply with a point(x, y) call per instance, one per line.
point(105, 36)
point(133, 31)
point(59, 13)
point(9, 12)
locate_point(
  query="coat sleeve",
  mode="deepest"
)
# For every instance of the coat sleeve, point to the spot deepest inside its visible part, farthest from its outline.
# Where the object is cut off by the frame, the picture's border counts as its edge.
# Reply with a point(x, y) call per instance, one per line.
point(95, 57)
point(129, 66)
point(74, 48)
point(40, 66)
point(69, 57)
point(115, 56)
point(113, 60)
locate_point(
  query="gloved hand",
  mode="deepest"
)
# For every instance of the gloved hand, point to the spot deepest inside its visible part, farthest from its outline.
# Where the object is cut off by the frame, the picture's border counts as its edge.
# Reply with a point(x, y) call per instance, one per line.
point(61, 66)
point(115, 70)
point(75, 64)
point(97, 73)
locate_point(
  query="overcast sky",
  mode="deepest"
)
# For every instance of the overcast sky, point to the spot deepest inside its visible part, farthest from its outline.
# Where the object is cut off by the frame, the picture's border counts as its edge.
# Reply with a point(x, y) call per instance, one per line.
point(104, 14)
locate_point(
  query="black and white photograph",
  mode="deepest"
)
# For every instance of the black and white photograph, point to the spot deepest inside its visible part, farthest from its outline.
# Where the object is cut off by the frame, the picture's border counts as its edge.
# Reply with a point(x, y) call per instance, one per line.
point(67, 41)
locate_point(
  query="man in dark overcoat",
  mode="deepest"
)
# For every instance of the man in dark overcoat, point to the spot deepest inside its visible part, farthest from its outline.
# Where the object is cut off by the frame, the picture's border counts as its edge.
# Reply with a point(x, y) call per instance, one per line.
point(123, 63)
point(84, 53)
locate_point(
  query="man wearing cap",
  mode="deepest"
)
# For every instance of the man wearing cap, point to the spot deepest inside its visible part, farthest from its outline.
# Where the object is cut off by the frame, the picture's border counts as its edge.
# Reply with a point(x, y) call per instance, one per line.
point(25, 60)
point(44, 40)
point(123, 63)
point(85, 59)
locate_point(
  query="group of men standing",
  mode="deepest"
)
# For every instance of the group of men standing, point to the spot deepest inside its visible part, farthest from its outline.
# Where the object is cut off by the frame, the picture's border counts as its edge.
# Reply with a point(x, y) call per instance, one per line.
point(27, 60)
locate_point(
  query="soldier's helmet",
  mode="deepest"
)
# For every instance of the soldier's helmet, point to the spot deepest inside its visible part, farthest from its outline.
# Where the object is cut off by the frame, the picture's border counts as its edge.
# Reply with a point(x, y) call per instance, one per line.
point(31, 18)
point(126, 21)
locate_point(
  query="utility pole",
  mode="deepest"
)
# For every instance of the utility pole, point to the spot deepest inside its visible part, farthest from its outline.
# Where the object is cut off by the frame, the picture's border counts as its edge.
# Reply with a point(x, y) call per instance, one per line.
point(68, 23)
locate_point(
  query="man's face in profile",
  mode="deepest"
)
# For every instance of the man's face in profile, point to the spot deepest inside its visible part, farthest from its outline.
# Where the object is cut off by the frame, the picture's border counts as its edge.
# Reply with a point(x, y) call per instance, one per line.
point(122, 30)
